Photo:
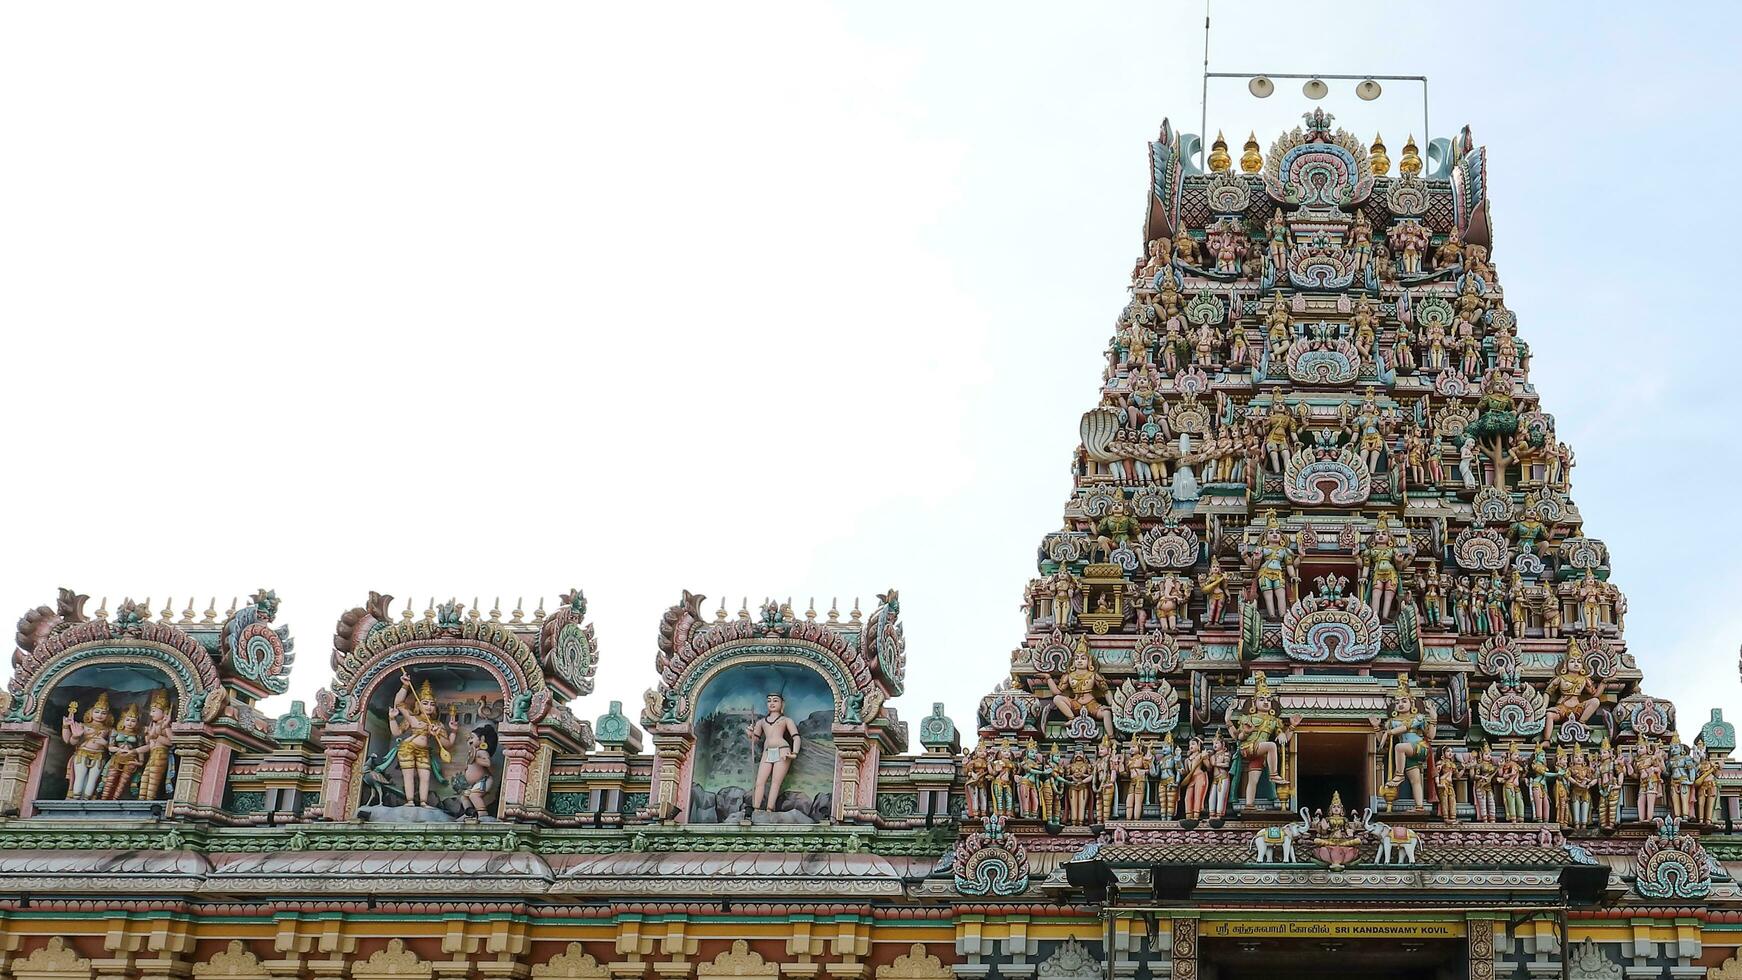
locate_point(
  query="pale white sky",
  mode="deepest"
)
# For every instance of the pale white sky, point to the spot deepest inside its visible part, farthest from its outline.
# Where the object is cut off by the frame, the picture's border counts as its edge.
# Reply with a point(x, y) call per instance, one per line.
point(789, 299)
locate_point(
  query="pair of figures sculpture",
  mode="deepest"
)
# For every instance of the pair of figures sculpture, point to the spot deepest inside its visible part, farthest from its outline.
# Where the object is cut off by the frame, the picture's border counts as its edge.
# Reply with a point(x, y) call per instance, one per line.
point(420, 739)
point(108, 752)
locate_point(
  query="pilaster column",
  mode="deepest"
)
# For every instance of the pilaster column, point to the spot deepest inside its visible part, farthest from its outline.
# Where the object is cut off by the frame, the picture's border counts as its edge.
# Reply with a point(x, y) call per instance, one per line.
point(18, 751)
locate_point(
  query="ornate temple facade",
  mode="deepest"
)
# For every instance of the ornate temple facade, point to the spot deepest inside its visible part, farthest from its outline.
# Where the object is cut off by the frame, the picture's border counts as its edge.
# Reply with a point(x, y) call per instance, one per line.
point(1320, 674)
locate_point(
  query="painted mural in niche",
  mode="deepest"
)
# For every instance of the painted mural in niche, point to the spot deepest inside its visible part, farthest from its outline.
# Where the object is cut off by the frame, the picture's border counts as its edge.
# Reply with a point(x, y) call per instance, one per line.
point(728, 760)
point(434, 751)
point(112, 725)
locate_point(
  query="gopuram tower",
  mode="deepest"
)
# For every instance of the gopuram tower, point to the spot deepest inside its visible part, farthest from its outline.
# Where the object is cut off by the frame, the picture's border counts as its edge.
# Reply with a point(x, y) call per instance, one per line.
point(1321, 597)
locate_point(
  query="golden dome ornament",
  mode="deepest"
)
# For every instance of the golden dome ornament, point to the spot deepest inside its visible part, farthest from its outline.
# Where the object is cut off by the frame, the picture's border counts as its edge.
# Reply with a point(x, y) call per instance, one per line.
point(1219, 159)
point(1251, 161)
point(1410, 165)
point(1376, 156)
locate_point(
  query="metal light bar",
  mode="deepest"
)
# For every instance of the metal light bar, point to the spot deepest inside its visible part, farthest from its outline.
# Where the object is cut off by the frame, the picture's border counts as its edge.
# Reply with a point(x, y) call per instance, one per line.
point(1204, 119)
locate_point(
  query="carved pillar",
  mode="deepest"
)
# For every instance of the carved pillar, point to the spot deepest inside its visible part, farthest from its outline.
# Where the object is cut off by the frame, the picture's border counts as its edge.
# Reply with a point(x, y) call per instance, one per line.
point(849, 760)
point(1481, 944)
point(1185, 950)
point(192, 749)
point(18, 752)
point(342, 750)
point(671, 793)
point(519, 751)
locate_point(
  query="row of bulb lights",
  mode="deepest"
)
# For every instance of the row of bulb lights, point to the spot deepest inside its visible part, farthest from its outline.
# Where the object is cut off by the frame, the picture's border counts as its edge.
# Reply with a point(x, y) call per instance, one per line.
point(1261, 86)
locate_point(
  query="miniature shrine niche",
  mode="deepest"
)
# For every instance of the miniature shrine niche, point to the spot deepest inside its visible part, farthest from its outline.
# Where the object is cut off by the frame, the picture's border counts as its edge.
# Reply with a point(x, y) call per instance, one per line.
point(765, 746)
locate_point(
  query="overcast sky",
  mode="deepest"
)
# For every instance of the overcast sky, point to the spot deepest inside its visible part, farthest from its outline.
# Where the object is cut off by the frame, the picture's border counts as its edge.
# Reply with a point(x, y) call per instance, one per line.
point(763, 299)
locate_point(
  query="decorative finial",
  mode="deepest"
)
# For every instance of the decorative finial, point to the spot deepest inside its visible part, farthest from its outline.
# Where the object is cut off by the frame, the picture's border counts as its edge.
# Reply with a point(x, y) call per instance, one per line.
point(1219, 159)
point(810, 614)
point(187, 615)
point(496, 610)
point(855, 615)
point(405, 614)
point(474, 614)
point(519, 614)
point(720, 614)
point(1410, 165)
point(145, 610)
point(538, 614)
point(1376, 156)
point(744, 608)
point(168, 613)
point(429, 611)
point(1251, 161)
point(103, 609)
point(211, 614)
point(834, 610)
point(232, 610)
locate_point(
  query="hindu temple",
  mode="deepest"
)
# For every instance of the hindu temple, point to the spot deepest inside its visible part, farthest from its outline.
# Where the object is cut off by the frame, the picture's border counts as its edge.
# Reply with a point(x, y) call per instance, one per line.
point(1320, 674)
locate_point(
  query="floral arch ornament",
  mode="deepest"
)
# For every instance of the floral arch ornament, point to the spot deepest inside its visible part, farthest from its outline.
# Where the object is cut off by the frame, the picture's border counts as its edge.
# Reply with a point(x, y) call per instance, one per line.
point(233, 961)
point(251, 650)
point(1323, 361)
point(1510, 708)
point(1329, 626)
point(1672, 865)
point(1169, 545)
point(1317, 477)
point(915, 964)
point(567, 649)
point(1071, 961)
point(573, 963)
point(368, 646)
point(990, 862)
point(392, 962)
point(863, 663)
point(1587, 962)
point(53, 961)
point(739, 961)
point(1009, 710)
point(1481, 549)
point(54, 643)
point(1316, 169)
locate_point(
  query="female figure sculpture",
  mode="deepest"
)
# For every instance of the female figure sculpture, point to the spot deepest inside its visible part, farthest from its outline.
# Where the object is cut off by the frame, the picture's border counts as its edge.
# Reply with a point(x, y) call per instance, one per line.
point(123, 754)
point(155, 746)
point(1445, 785)
point(1197, 778)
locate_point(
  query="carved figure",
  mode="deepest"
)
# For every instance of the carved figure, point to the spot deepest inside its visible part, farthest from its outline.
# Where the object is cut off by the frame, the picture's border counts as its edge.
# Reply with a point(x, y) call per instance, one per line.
point(1081, 689)
point(1261, 735)
point(89, 740)
point(780, 743)
point(419, 739)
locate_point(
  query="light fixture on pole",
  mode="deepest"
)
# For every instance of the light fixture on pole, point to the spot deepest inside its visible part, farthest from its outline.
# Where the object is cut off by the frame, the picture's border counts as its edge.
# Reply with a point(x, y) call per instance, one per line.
point(1315, 89)
point(1261, 86)
point(1368, 90)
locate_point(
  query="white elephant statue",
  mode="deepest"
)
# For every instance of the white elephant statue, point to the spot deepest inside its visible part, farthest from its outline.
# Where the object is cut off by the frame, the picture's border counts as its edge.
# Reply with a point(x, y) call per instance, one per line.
point(1277, 843)
point(1401, 841)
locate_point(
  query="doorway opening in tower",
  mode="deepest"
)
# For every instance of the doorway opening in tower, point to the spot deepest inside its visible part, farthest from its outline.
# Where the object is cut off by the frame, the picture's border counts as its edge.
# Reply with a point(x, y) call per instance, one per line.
point(1334, 959)
point(1332, 762)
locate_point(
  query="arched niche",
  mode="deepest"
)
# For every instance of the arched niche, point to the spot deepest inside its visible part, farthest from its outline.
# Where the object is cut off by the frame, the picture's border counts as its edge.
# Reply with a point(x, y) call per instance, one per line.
point(470, 705)
point(724, 762)
point(121, 689)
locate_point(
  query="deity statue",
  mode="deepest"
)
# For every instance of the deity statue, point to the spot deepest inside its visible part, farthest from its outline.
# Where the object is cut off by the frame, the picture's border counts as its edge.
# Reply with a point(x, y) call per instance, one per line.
point(1196, 774)
point(89, 740)
point(1509, 773)
point(1380, 558)
point(1433, 599)
point(1582, 781)
point(1278, 230)
point(1450, 253)
point(1445, 785)
point(1109, 770)
point(1681, 778)
point(1165, 770)
point(1160, 254)
point(1482, 772)
point(1563, 809)
point(1611, 781)
point(1407, 742)
point(1592, 595)
point(1705, 783)
point(1185, 248)
point(1518, 604)
point(779, 738)
point(1168, 595)
point(1261, 735)
point(124, 745)
point(1118, 529)
point(1278, 329)
point(1221, 776)
point(1336, 839)
point(1572, 691)
point(1529, 529)
point(1214, 587)
point(1080, 778)
point(1028, 767)
point(974, 782)
point(1280, 428)
point(1550, 612)
point(417, 735)
point(1361, 243)
point(1063, 588)
point(1540, 774)
point(1648, 765)
point(1409, 240)
point(1049, 777)
point(1138, 760)
point(480, 775)
point(1001, 779)
point(1277, 574)
point(1081, 689)
point(156, 746)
